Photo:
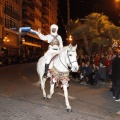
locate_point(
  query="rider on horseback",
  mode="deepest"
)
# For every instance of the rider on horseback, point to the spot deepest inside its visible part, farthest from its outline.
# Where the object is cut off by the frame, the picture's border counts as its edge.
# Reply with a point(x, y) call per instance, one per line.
point(55, 44)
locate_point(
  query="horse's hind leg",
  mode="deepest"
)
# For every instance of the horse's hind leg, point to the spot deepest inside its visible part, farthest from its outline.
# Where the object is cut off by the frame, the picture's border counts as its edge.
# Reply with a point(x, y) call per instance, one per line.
point(51, 90)
point(66, 98)
point(43, 80)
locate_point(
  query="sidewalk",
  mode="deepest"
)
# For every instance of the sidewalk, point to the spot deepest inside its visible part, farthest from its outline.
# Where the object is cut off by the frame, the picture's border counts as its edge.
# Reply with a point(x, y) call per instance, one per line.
point(11, 109)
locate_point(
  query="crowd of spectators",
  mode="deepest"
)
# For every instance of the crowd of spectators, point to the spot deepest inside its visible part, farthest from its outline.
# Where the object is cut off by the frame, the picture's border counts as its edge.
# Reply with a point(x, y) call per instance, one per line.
point(16, 59)
point(93, 69)
point(100, 67)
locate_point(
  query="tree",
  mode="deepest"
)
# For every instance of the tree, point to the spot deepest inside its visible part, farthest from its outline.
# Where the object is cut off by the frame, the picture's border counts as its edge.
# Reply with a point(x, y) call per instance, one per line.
point(96, 29)
point(79, 31)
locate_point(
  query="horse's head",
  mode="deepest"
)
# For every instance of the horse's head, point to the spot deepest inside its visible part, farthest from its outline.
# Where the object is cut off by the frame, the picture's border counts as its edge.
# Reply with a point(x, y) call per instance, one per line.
point(72, 58)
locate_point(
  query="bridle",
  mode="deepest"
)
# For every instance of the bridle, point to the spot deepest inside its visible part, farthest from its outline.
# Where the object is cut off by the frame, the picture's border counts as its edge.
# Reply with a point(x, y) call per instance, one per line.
point(68, 60)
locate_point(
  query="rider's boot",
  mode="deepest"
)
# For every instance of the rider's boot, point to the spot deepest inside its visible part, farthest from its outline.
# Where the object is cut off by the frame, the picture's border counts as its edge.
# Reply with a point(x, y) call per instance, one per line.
point(46, 70)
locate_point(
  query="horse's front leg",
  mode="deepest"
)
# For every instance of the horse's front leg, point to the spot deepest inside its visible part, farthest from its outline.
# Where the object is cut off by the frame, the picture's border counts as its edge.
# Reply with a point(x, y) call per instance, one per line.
point(66, 97)
point(43, 80)
point(51, 89)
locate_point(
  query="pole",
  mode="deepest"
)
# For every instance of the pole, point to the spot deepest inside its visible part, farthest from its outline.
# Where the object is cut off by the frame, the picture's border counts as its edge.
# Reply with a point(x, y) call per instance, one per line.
point(68, 10)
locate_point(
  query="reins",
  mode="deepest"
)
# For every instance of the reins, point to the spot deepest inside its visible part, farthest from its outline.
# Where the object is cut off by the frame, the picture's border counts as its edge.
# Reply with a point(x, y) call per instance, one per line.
point(69, 61)
point(63, 64)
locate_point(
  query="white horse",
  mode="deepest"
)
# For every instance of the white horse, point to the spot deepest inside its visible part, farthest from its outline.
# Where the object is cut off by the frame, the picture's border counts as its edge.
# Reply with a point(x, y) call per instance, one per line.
point(59, 71)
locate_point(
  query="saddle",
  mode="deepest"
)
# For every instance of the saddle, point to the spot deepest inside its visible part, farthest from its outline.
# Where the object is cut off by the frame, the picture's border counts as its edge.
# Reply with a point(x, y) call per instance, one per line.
point(56, 74)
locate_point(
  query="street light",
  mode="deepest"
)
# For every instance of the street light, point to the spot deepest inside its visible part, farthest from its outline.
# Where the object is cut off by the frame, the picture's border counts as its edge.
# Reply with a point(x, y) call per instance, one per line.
point(117, 2)
point(70, 38)
point(6, 39)
point(23, 39)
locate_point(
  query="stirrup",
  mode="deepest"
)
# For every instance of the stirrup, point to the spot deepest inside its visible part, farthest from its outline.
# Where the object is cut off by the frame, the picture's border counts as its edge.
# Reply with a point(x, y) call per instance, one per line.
point(45, 75)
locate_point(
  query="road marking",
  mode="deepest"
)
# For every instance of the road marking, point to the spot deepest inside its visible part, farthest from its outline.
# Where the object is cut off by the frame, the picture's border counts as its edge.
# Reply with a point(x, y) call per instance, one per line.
point(37, 83)
point(118, 112)
point(70, 97)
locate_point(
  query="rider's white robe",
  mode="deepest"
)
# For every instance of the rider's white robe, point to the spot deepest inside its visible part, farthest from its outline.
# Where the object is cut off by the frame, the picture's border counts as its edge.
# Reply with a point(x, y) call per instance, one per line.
point(52, 49)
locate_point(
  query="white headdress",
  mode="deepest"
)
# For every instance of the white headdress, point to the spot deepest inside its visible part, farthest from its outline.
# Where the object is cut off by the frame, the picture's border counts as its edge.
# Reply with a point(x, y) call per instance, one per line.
point(53, 26)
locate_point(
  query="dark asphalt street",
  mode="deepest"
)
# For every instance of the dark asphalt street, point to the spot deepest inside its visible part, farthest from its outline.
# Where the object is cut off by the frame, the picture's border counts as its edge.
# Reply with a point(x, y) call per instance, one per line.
point(21, 98)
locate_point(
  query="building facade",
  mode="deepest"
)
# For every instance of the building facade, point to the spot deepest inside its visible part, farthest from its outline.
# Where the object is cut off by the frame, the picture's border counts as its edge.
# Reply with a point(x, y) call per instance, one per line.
point(25, 13)
point(1, 23)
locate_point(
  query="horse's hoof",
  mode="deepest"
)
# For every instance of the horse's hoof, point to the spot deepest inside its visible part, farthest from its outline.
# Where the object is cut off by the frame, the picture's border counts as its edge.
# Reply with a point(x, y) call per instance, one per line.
point(48, 96)
point(44, 98)
point(69, 110)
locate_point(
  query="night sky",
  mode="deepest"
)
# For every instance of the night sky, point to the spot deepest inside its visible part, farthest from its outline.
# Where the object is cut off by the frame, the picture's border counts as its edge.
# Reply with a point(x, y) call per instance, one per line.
point(82, 8)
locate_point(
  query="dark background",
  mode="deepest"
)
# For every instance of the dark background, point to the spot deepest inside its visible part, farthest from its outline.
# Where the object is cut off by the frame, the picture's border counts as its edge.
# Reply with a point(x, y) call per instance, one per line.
point(82, 8)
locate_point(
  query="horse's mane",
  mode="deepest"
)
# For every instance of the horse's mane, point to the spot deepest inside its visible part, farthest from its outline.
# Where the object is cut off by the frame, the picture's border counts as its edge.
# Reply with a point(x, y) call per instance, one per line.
point(64, 49)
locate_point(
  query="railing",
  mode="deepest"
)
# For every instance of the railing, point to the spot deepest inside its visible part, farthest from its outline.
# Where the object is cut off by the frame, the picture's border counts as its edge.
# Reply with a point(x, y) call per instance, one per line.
point(17, 1)
point(30, 4)
point(12, 13)
point(45, 3)
point(45, 12)
point(0, 1)
point(44, 20)
point(28, 17)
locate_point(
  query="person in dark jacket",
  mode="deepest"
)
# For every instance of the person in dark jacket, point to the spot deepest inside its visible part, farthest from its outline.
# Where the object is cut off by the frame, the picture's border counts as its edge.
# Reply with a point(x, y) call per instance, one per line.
point(100, 75)
point(115, 76)
point(94, 71)
point(87, 72)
